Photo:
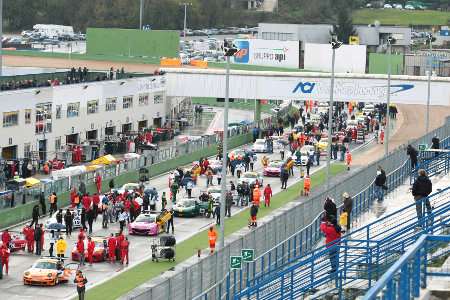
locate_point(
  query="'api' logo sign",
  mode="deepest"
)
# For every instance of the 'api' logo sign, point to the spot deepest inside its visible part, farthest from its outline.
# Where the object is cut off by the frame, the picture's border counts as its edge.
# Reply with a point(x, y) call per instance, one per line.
point(304, 87)
point(243, 55)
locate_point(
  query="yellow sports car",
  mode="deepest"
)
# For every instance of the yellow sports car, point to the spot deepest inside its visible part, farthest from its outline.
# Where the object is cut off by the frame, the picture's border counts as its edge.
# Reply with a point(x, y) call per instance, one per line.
point(48, 272)
point(323, 144)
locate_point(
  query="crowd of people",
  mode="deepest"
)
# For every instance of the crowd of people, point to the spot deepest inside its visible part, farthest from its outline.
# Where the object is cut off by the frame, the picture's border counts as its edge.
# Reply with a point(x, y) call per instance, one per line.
point(73, 76)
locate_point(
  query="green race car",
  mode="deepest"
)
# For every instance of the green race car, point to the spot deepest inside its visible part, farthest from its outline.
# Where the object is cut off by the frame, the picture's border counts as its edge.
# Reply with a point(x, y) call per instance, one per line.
point(190, 207)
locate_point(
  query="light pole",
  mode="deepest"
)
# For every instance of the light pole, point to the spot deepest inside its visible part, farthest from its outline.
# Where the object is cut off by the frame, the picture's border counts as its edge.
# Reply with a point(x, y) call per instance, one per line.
point(335, 44)
point(185, 4)
point(430, 39)
point(229, 50)
point(390, 41)
point(141, 14)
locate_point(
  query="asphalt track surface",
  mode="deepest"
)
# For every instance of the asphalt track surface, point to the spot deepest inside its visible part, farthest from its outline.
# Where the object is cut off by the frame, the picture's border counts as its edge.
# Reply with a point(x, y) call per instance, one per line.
point(12, 288)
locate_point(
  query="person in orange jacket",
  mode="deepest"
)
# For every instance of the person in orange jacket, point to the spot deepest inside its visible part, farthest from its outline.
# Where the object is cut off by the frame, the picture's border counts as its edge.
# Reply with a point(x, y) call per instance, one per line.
point(124, 246)
point(267, 195)
point(306, 185)
point(256, 195)
point(90, 250)
point(348, 159)
point(212, 237)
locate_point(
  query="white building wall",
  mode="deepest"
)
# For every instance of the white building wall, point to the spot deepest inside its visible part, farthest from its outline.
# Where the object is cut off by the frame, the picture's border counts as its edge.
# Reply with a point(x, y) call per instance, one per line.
point(21, 100)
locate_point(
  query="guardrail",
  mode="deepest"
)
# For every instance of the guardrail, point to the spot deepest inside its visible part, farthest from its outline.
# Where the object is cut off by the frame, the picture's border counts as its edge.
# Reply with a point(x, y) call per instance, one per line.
point(295, 231)
point(405, 277)
point(360, 258)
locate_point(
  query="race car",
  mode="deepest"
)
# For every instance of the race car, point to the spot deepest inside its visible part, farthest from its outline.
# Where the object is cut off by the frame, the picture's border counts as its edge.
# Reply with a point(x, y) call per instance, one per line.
point(100, 250)
point(260, 146)
point(216, 192)
point(323, 144)
point(18, 241)
point(306, 151)
point(215, 165)
point(52, 224)
point(189, 207)
point(49, 272)
point(241, 153)
point(273, 169)
point(145, 224)
point(251, 178)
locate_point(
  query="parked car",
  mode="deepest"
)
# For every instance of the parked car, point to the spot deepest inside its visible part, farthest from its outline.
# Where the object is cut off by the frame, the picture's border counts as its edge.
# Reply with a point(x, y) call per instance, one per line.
point(273, 169)
point(189, 207)
point(387, 6)
point(18, 241)
point(145, 224)
point(48, 272)
point(259, 146)
point(100, 250)
point(251, 178)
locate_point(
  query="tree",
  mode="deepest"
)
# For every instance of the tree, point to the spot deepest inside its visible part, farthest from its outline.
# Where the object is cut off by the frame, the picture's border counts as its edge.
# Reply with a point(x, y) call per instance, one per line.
point(343, 28)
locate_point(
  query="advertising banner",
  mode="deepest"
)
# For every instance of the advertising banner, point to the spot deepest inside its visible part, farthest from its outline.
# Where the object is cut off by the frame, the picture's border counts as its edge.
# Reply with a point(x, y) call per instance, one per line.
point(306, 86)
point(267, 53)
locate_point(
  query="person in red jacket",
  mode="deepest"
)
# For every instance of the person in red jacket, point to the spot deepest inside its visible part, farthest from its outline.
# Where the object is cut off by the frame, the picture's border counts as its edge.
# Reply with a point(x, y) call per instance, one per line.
point(127, 205)
point(86, 202)
point(6, 237)
point(112, 248)
point(95, 202)
point(5, 257)
point(80, 249)
point(332, 233)
point(42, 237)
point(98, 183)
point(119, 238)
point(90, 250)
point(267, 195)
point(124, 245)
point(81, 235)
point(29, 237)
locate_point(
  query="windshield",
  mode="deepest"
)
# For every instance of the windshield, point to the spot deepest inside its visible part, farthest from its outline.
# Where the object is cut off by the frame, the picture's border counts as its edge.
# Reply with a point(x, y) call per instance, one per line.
point(260, 142)
point(249, 175)
point(146, 219)
point(275, 164)
point(186, 204)
point(44, 265)
point(214, 191)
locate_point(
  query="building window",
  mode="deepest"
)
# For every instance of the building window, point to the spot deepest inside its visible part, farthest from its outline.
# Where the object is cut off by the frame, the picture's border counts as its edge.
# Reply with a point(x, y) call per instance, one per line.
point(92, 107)
point(111, 104)
point(10, 118)
point(27, 116)
point(158, 99)
point(73, 109)
point(57, 144)
point(127, 102)
point(143, 99)
point(58, 111)
point(27, 150)
point(43, 118)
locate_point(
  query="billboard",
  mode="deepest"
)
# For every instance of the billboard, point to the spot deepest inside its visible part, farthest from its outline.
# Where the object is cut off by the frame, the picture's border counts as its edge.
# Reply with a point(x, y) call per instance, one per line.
point(349, 58)
point(268, 53)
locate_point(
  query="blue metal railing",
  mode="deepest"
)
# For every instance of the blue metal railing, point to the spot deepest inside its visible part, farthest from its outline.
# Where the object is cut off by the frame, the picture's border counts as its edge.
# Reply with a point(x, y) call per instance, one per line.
point(365, 254)
point(433, 162)
point(405, 277)
point(303, 242)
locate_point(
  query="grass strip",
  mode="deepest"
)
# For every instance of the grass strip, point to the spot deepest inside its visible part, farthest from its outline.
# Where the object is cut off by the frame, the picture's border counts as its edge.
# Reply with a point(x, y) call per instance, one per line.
point(401, 17)
point(148, 270)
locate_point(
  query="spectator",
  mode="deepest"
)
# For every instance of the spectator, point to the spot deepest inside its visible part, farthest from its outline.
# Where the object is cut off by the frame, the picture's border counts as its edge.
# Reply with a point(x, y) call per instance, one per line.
point(332, 233)
point(348, 206)
point(422, 187)
point(412, 152)
point(330, 208)
point(380, 182)
point(435, 144)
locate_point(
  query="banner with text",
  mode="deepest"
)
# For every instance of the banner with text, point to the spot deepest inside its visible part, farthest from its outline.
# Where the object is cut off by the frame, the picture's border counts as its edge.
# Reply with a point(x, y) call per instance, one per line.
point(268, 53)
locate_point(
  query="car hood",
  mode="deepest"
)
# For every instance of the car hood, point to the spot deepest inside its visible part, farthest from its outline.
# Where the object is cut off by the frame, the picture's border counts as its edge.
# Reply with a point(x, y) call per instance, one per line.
point(40, 272)
point(271, 169)
point(142, 225)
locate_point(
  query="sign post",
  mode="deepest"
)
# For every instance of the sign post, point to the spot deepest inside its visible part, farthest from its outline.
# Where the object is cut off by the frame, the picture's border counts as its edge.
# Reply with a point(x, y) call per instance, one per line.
point(248, 255)
point(236, 262)
point(423, 147)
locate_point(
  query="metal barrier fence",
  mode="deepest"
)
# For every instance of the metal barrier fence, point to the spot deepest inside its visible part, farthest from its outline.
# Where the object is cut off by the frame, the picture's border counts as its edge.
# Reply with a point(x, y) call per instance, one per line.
point(360, 258)
point(405, 278)
point(295, 224)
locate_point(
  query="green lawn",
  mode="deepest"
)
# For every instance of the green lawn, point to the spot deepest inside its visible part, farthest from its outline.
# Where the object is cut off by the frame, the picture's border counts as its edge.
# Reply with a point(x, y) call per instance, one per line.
point(147, 270)
point(237, 104)
point(213, 65)
point(401, 17)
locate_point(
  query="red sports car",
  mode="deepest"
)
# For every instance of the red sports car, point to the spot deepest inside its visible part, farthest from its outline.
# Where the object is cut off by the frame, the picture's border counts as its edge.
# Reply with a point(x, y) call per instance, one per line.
point(18, 241)
point(100, 251)
point(273, 169)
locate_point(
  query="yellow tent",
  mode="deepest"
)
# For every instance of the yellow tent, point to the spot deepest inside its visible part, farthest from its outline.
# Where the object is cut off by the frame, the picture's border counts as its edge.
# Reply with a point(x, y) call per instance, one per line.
point(104, 160)
point(90, 168)
point(30, 181)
